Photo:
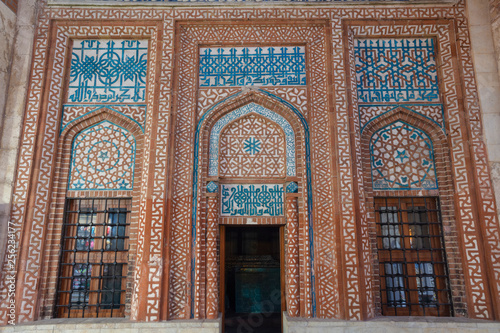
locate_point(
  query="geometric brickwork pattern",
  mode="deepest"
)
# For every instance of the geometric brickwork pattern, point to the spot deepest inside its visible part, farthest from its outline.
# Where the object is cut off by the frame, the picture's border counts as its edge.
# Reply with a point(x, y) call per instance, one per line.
point(108, 71)
point(192, 37)
point(474, 264)
point(252, 66)
point(433, 112)
point(292, 257)
point(402, 158)
point(252, 146)
point(30, 276)
point(43, 114)
point(296, 95)
point(359, 289)
point(396, 70)
point(252, 200)
point(208, 97)
point(12, 4)
point(136, 113)
point(103, 158)
point(256, 0)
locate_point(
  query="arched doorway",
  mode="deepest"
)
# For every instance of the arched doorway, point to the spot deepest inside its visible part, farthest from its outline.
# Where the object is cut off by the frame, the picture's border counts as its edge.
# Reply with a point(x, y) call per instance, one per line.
point(252, 172)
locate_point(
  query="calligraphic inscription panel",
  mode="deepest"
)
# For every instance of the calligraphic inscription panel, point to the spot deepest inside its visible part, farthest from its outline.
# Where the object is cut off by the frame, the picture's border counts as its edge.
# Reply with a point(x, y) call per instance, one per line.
point(252, 200)
point(108, 71)
point(396, 70)
point(252, 66)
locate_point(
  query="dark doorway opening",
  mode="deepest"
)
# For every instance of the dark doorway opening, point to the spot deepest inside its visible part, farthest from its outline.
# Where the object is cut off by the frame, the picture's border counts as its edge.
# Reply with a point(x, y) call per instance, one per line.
point(252, 279)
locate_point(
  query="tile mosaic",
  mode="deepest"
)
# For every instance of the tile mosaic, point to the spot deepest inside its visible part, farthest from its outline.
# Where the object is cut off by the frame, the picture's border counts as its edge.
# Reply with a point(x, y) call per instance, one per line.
point(245, 110)
point(396, 70)
point(108, 71)
point(252, 200)
point(103, 158)
point(212, 187)
point(402, 158)
point(252, 66)
point(292, 187)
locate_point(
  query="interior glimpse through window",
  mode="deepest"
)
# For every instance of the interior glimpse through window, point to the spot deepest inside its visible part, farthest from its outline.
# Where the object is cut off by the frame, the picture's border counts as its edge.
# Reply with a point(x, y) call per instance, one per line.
point(413, 269)
point(94, 257)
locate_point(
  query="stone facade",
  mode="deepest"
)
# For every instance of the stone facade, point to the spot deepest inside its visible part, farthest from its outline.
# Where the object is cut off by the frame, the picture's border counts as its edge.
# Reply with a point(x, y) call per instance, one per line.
point(299, 116)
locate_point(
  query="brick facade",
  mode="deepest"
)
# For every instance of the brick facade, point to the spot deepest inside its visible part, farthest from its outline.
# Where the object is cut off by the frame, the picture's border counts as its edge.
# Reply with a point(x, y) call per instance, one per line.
point(316, 110)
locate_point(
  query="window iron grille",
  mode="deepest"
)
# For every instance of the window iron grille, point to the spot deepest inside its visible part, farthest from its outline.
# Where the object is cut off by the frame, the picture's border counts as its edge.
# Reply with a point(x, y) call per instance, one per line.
point(94, 257)
point(412, 260)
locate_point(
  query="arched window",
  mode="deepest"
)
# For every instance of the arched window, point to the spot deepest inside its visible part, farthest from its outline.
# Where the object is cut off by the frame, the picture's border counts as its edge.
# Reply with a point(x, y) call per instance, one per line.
point(95, 232)
point(410, 244)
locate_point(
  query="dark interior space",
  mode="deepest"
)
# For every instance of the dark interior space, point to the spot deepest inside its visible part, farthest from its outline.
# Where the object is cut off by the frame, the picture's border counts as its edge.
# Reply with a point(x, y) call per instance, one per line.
point(252, 280)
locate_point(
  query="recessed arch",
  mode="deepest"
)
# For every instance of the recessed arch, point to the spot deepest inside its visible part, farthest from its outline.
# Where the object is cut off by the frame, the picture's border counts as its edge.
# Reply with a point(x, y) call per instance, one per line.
point(95, 111)
point(301, 130)
point(102, 158)
point(244, 111)
point(394, 166)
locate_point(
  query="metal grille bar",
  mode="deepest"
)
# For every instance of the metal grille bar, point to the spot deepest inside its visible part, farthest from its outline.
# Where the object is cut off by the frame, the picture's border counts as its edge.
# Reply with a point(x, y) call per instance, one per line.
point(412, 260)
point(94, 257)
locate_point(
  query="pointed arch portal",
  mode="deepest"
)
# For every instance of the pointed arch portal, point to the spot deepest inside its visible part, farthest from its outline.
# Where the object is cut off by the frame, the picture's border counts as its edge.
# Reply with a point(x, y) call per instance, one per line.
point(216, 131)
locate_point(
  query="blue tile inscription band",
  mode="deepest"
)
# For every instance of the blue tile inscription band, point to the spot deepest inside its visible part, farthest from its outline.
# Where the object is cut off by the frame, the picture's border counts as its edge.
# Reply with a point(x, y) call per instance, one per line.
point(252, 66)
point(108, 71)
point(251, 200)
point(396, 70)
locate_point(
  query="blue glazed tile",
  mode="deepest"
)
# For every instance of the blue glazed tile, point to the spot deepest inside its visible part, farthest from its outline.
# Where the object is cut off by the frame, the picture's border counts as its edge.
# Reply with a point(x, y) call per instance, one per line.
point(396, 70)
point(402, 158)
point(292, 187)
point(310, 199)
point(252, 66)
point(212, 187)
point(102, 158)
point(108, 71)
point(213, 166)
point(251, 200)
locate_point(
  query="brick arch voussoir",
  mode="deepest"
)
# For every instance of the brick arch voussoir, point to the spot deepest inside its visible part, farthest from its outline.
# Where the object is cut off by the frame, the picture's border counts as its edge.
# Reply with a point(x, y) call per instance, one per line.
point(95, 117)
point(247, 97)
point(412, 118)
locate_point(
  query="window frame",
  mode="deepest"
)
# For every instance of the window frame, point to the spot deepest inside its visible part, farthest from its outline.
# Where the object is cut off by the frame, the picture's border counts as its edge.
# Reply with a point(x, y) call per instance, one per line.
point(95, 255)
point(410, 255)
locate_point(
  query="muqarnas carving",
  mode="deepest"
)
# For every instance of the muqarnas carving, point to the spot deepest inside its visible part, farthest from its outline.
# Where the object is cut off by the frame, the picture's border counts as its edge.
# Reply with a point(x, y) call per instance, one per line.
point(103, 158)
